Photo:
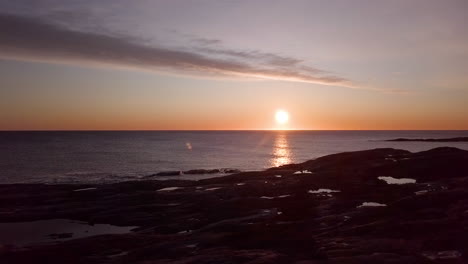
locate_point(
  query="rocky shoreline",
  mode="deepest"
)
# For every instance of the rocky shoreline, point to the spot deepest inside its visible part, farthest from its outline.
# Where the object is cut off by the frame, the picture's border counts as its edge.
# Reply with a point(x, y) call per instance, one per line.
point(375, 206)
point(194, 172)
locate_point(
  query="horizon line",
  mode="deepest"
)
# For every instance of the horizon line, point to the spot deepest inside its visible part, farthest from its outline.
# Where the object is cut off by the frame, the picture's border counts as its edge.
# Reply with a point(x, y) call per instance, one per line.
point(213, 130)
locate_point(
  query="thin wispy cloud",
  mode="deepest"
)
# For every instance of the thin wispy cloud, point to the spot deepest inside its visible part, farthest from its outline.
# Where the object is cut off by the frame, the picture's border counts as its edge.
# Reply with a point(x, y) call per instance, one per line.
point(29, 38)
point(268, 58)
point(206, 41)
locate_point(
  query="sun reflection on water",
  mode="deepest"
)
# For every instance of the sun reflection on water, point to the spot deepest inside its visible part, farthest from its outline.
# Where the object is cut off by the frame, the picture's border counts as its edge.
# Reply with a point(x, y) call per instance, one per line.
point(281, 151)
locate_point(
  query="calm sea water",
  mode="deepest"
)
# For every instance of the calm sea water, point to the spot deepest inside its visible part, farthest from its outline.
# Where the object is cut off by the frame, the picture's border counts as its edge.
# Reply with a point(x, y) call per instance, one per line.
point(55, 157)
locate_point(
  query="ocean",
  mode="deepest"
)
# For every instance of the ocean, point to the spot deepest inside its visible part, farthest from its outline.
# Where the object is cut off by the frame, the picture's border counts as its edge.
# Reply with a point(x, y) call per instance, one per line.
point(114, 156)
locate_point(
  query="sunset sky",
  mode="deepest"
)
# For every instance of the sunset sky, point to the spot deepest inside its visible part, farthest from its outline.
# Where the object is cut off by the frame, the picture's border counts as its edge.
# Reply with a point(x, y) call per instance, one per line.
point(150, 65)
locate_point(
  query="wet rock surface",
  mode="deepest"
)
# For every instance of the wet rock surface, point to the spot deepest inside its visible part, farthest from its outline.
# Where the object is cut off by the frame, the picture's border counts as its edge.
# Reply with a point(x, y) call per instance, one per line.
point(226, 220)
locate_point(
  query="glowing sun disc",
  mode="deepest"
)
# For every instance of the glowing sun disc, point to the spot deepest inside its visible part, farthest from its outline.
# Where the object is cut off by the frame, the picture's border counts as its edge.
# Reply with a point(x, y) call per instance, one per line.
point(281, 117)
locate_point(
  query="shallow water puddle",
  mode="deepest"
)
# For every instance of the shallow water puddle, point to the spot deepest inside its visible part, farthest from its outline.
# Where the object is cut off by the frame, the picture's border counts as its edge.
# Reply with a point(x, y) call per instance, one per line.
point(323, 191)
point(391, 180)
point(274, 197)
point(371, 204)
point(303, 172)
point(47, 231)
point(168, 189)
point(421, 192)
point(448, 254)
point(213, 189)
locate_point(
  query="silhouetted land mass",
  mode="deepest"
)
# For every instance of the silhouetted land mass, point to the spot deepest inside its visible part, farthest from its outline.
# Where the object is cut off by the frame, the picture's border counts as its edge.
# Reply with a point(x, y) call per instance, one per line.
point(457, 139)
point(272, 216)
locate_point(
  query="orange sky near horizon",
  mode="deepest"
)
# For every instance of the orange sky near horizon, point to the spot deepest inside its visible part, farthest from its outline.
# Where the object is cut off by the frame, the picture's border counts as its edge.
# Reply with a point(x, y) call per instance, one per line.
point(264, 119)
point(181, 65)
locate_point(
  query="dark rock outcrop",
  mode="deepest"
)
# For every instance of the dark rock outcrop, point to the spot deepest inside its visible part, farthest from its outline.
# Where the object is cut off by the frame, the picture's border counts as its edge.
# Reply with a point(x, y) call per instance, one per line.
point(202, 171)
point(168, 173)
point(272, 216)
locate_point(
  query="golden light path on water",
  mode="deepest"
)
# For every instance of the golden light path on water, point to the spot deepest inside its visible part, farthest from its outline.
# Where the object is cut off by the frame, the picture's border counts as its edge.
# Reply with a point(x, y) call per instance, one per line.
point(281, 152)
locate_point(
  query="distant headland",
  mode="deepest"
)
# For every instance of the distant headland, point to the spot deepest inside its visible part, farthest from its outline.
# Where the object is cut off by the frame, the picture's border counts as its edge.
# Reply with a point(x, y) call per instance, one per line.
point(456, 139)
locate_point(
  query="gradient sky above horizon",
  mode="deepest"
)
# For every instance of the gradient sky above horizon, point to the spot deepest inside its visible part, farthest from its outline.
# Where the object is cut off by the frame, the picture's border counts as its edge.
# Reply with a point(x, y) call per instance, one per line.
point(150, 65)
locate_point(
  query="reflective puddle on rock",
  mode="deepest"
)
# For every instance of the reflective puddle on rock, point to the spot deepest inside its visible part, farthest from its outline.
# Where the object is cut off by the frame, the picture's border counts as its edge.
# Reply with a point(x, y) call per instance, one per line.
point(46, 231)
point(323, 191)
point(391, 180)
point(168, 189)
point(371, 204)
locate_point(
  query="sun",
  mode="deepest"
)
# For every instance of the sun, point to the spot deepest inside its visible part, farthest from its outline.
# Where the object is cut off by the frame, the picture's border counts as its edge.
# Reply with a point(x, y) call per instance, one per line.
point(281, 117)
